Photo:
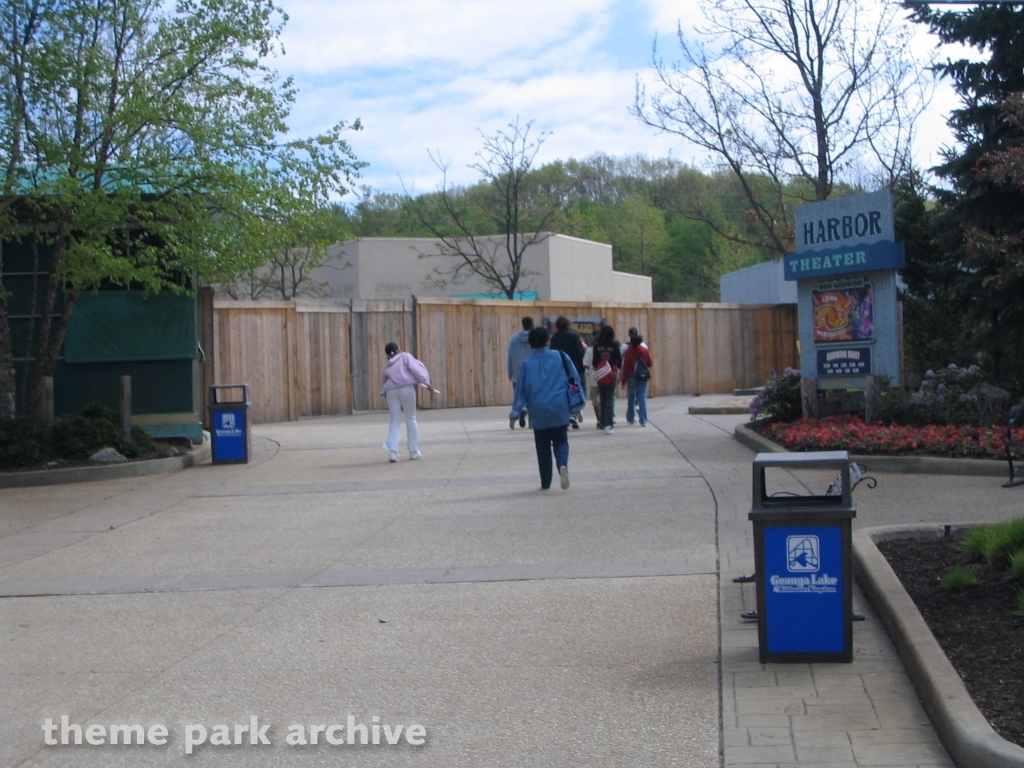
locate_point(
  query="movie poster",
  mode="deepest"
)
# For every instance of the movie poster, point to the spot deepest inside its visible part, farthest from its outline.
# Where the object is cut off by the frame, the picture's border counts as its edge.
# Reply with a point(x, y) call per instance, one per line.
point(843, 312)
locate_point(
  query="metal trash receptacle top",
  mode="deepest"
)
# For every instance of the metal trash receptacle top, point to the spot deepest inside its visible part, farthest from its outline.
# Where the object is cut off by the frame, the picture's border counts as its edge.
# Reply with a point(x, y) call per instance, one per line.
point(230, 437)
point(802, 555)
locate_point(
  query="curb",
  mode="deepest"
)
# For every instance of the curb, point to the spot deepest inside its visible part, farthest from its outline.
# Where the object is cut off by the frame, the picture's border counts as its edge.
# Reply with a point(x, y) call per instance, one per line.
point(917, 465)
point(962, 728)
point(109, 472)
point(718, 410)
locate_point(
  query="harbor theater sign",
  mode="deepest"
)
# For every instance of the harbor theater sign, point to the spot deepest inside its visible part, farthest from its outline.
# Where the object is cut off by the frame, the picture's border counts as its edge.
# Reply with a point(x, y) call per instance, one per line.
point(845, 268)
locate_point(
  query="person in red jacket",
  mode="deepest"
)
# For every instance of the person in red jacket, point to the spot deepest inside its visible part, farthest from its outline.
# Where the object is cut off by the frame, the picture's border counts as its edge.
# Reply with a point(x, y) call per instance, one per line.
point(635, 378)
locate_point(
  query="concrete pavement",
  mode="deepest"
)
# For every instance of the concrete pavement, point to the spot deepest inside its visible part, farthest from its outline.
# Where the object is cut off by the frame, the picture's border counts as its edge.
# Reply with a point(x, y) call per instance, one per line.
point(518, 627)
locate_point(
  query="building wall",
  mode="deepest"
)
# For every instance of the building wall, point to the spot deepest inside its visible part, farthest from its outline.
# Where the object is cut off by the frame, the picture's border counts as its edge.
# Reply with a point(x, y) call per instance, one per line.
point(763, 283)
point(627, 287)
point(559, 268)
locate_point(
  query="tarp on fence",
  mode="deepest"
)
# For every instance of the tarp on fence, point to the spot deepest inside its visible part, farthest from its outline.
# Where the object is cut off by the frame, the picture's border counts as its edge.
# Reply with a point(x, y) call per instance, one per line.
point(119, 326)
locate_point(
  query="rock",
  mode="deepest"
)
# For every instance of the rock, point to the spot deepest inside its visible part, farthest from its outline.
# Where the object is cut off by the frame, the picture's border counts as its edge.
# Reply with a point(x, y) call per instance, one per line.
point(108, 456)
point(53, 464)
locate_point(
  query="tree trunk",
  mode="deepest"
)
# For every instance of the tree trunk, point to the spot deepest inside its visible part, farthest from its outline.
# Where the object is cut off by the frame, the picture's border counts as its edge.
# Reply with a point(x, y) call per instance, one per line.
point(48, 340)
point(6, 362)
point(27, 372)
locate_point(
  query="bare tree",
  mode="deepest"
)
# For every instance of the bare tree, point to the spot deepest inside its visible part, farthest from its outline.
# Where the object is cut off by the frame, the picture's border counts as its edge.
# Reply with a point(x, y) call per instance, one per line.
point(793, 97)
point(487, 228)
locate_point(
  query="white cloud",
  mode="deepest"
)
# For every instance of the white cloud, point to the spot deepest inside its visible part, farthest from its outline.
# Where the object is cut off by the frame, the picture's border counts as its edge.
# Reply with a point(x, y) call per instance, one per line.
point(428, 74)
point(323, 36)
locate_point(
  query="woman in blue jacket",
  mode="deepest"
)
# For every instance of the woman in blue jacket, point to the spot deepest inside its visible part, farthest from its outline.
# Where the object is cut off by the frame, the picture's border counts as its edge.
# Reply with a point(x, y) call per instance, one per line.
point(542, 388)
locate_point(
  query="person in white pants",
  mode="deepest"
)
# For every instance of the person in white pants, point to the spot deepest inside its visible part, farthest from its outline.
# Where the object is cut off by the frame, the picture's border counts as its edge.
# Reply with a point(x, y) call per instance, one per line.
point(401, 376)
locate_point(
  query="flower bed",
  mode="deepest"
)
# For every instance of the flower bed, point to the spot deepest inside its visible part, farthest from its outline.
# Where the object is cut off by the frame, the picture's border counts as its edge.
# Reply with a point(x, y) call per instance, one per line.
point(850, 433)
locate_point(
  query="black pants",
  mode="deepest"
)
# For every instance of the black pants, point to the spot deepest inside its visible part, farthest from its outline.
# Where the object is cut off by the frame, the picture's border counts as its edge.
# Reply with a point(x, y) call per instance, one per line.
point(547, 440)
point(607, 403)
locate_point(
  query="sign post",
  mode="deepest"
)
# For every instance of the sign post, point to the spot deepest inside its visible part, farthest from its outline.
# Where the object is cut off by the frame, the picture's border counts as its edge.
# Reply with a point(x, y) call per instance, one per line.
point(845, 269)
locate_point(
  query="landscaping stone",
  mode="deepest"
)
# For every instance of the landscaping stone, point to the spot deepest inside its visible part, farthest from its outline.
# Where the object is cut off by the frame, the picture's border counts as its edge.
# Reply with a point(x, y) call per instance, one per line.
point(108, 456)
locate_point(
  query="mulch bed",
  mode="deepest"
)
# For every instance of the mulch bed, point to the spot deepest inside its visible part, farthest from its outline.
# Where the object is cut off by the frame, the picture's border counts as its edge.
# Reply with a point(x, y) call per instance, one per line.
point(976, 627)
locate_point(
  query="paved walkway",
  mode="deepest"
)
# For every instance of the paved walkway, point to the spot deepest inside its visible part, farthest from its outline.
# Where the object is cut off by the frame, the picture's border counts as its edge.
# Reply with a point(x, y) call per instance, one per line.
point(519, 627)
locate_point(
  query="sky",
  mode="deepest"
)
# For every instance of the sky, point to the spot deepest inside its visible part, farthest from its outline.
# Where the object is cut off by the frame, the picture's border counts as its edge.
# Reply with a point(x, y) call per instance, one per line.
point(431, 75)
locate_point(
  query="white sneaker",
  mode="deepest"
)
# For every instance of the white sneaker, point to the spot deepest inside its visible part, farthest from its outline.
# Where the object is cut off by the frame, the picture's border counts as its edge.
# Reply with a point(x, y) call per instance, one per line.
point(609, 431)
point(563, 472)
point(413, 455)
point(393, 456)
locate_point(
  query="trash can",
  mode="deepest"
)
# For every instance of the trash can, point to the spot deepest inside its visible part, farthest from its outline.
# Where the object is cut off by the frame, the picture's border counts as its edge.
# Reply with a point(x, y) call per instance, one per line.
point(802, 560)
point(229, 419)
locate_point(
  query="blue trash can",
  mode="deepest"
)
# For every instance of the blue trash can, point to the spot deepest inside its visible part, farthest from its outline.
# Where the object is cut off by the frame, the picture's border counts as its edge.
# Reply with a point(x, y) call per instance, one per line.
point(802, 557)
point(229, 422)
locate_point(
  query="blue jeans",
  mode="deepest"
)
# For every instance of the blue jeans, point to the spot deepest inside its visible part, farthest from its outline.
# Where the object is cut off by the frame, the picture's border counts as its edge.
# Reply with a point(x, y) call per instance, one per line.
point(637, 393)
point(554, 439)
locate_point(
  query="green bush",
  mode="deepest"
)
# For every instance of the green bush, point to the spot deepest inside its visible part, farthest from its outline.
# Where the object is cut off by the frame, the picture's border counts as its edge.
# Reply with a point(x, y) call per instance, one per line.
point(78, 437)
point(894, 406)
point(959, 578)
point(954, 395)
point(997, 542)
point(21, 443)
point(1017, 565)
point(779, 400)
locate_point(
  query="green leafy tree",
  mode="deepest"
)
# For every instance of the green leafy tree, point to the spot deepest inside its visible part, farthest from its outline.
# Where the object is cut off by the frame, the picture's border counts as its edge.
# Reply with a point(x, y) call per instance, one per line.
point(141, 142)
point(638, 236)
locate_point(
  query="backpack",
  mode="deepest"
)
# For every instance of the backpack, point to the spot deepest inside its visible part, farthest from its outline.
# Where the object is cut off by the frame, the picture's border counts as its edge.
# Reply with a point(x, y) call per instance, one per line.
point(604, 373)
point(641, 372)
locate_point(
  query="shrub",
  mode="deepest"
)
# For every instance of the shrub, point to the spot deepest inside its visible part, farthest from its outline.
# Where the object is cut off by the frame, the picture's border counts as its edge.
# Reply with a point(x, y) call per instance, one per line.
point(894, 406)
point(779, 400)
point(997, 542)
point(1017, 565)
point(954, 395)
point(959, 578)
point(78, 437)
point(1020, 603)
point(21, 443)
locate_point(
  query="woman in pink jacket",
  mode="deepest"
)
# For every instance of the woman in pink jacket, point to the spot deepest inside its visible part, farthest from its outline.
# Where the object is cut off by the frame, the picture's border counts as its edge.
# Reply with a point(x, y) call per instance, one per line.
point(398, 385)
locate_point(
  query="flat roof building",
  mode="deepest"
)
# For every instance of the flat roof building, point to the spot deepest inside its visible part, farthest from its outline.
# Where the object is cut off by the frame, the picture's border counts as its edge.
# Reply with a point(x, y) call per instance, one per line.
point(559, 268)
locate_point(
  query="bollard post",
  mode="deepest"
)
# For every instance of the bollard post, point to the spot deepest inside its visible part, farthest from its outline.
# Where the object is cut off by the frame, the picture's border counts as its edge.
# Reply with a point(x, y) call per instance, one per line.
point(46, 404)
point(126, 407)
point(809, 397)
point(870, 400)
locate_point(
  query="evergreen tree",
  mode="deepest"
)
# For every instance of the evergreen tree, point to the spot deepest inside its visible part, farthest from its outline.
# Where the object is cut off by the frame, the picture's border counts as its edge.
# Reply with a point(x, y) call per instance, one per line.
point(952, 280)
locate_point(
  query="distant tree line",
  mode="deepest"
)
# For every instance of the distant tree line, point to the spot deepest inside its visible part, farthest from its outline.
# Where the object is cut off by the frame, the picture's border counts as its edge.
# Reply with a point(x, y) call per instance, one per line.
point(635, 204)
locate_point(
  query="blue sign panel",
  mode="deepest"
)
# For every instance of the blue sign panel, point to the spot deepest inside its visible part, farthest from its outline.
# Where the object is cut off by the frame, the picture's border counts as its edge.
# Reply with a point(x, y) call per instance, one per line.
point(804, 589)
point(865, 257)
point(844, 362)
point(229, 442)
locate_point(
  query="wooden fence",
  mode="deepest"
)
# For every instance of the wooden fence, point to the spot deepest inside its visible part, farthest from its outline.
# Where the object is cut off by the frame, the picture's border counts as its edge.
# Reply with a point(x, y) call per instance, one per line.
point(316, 358)
point(294, 357)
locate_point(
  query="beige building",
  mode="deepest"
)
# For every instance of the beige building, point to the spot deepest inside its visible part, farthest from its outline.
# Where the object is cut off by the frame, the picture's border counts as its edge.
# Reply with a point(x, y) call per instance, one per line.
point(559, 268)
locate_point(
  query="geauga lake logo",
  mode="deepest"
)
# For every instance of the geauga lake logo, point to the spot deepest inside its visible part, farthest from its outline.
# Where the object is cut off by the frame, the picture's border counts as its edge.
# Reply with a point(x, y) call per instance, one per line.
point(228, 427)
point(803, 556)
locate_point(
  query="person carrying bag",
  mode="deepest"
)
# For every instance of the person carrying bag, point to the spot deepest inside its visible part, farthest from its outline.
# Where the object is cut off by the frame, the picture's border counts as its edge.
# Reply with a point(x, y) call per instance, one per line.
point(577, 395)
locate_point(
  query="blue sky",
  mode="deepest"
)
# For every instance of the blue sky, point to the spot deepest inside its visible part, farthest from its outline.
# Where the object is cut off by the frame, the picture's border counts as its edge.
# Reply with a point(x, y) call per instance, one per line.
point(426, 75)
